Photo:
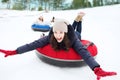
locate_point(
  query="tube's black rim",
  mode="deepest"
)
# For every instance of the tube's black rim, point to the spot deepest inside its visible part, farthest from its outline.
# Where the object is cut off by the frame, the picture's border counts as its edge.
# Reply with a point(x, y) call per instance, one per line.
point(60, 63)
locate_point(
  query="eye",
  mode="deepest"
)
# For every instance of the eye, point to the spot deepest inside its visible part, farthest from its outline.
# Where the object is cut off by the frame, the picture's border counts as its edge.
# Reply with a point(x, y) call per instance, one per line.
point(55, 32)
point(61, 32)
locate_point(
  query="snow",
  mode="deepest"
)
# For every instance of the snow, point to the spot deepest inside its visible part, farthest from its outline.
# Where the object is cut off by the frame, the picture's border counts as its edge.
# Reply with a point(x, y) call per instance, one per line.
point(100, 25)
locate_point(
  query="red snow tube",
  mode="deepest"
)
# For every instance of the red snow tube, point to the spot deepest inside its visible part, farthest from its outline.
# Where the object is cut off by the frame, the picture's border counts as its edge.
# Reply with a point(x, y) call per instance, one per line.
point(62, 57)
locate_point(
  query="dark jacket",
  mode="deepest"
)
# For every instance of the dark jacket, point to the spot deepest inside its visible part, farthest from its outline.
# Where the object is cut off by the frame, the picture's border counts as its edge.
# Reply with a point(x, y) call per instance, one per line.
point(75, 44)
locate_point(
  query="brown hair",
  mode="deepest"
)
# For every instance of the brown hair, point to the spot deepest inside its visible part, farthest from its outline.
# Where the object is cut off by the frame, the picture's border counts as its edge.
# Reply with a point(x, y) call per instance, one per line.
point(54, 43)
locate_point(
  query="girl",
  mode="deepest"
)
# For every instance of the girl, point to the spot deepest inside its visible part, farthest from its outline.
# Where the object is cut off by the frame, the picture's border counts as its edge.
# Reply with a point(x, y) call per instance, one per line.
point(63, 36)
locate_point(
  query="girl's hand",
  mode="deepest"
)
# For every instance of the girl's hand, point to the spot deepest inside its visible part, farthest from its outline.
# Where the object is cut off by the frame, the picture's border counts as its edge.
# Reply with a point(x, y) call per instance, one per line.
point(8, 52)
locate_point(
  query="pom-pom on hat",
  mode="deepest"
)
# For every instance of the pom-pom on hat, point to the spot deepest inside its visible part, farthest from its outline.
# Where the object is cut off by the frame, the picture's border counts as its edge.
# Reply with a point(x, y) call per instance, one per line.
point(60, 25)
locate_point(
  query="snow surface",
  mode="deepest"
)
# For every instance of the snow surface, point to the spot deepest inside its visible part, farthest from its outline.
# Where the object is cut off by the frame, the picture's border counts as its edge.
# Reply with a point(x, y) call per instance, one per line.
point(100, 25)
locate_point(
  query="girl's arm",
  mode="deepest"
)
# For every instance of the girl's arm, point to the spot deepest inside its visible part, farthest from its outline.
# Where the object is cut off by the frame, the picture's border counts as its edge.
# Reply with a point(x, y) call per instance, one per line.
point(33, 45)
point(27, 47)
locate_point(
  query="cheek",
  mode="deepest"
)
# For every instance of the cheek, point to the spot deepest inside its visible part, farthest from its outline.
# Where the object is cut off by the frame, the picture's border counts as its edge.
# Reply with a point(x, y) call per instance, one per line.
point(55, 36)
point(62, 35)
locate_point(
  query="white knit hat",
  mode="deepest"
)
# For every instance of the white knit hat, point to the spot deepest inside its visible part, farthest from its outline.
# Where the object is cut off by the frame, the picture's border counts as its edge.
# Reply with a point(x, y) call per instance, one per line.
point(60, 26)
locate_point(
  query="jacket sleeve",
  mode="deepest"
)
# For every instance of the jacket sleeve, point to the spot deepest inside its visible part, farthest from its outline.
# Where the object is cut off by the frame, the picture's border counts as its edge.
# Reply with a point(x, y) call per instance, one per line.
point(83, 52)
point(33, 45)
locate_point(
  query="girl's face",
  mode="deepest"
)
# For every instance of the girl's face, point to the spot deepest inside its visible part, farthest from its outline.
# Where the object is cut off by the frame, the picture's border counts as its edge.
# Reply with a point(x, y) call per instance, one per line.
point(59, 36)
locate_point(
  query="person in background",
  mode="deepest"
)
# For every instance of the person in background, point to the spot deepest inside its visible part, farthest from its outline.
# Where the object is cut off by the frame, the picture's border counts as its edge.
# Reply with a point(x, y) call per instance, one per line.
point(40, 20)
point(63, 36)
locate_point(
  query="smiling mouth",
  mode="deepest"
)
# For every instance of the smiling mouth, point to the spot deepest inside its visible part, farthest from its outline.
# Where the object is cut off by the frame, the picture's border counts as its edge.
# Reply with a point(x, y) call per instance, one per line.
point(59, 38)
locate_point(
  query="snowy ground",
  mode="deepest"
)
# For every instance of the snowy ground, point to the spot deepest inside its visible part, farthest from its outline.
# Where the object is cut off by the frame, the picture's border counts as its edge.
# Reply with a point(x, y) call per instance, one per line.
point(100, 25)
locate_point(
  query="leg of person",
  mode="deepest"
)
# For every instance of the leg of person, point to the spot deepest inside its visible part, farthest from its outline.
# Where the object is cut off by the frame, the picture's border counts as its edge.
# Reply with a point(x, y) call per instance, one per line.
point(79, 20)
point(74, 25)
point(53, 19)
point(77, 24)
point(79, 27)
point(78, 35)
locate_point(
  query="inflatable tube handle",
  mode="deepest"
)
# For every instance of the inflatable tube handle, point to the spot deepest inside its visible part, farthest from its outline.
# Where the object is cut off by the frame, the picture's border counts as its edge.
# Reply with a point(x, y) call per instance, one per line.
point(88, 44)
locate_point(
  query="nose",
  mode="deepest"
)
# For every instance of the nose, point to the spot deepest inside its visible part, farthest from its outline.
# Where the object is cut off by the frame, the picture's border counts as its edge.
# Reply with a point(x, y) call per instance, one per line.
point(59, 35)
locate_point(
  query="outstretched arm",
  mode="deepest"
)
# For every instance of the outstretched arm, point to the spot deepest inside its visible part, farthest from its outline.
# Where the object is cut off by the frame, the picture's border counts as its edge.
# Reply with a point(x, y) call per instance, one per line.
point(33, 45)
point(99, 72)
point(27, 47)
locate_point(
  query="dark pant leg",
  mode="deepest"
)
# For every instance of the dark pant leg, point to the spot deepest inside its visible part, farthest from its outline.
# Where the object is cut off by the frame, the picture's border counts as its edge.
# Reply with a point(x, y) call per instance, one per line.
point(74, 25)
point(79, 27)
point(78, 35)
